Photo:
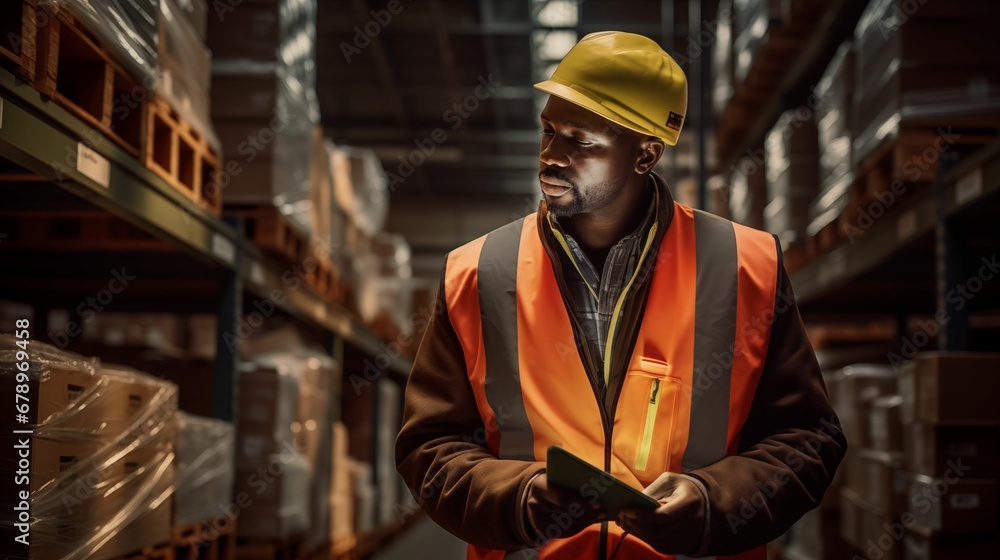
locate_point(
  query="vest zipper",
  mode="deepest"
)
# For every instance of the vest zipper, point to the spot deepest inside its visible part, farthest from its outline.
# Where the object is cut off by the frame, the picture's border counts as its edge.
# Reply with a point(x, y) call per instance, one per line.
point(647, 432)
point(606, 416)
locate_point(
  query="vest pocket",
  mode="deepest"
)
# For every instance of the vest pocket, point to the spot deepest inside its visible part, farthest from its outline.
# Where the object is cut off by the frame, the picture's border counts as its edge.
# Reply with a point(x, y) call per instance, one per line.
point(642, 455)
point(656, 436)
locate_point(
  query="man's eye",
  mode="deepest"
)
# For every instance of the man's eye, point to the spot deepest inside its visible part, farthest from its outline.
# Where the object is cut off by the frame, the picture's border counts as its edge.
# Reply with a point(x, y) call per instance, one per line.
point(547, 132)
point(582, 143)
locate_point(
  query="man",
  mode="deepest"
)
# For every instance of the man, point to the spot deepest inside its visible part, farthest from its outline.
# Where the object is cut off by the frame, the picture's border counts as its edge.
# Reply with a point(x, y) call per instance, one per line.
point(659, 343)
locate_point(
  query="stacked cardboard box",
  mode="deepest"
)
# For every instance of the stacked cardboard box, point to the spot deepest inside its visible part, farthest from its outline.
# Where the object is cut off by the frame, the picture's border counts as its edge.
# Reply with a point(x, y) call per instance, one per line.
point(751, 22)
point(102, 454)
point(387, 479)
point(855, 390)
point(905, 77)
point(365, 498)
point(792, 159)
point(722, 59)
point(270, 469)
point(184, 64)
point(206, 465)
point(341, 492)
point(951, 453)
point(264, 105)
point(748, 191)
point(834, 94)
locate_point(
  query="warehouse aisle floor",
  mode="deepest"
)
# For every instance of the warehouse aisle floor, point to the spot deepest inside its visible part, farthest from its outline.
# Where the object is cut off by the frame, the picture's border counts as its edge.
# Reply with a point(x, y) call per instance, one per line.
point(424, 539)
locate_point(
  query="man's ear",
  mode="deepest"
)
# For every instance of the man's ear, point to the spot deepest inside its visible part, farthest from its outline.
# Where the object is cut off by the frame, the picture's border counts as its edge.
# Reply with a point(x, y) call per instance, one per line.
point(650, 150)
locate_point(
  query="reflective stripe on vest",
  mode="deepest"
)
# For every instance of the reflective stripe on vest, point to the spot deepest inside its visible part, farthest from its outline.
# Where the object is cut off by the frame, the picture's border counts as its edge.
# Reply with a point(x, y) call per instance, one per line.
point(689, 382)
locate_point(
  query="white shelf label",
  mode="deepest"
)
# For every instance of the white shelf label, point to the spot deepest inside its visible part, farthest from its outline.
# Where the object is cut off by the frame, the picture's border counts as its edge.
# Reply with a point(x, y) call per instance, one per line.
point(93, 165)
point(256, 273)
point(906, 226)
point(969, 187)
point(223, 248)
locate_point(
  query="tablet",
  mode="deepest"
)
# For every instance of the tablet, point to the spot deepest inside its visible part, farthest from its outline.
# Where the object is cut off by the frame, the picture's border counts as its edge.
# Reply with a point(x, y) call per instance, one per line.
point(573, 473)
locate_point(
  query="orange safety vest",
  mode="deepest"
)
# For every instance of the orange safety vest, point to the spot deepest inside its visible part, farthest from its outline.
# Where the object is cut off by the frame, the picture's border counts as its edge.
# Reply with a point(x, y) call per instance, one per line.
point(690, 380)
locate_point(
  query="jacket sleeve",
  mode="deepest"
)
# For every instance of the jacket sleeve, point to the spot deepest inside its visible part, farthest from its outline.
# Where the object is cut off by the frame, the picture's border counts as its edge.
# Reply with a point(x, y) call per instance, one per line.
point(441, 449)
point(791, 444)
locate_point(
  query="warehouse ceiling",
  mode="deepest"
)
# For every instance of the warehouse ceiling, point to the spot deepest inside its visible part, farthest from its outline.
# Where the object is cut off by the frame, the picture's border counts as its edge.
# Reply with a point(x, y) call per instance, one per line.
point(442, 91)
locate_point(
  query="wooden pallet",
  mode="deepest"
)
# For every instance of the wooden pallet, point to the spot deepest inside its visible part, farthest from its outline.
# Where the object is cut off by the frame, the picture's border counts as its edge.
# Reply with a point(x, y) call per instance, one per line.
point(76, 231)
point(913, 156)
point(180, 155)
point(159, 552)
point(316, 552)
point(325, 277)
point(204, 540)
point(18, 36)
point(81, 75)
point(271, 232)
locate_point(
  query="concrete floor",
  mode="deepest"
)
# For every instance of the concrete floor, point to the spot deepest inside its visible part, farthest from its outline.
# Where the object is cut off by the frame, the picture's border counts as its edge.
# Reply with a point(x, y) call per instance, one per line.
point(424, 540)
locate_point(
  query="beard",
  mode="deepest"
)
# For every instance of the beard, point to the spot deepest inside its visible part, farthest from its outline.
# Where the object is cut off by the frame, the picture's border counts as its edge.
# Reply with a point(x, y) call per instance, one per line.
point(586, 200)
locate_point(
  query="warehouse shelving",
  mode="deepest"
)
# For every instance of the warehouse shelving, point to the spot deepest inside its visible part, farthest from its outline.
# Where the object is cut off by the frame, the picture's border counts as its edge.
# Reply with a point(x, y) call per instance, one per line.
point(835, 25)
point(965, 187)
point(44, 139)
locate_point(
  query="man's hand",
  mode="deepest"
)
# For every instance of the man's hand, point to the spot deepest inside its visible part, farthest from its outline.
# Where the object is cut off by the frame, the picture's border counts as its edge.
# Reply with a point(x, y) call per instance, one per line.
point(678, 525)
point(557, 513)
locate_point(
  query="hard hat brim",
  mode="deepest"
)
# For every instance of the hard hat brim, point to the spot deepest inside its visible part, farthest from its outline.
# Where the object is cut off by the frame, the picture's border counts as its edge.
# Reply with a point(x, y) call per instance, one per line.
point(581, 97)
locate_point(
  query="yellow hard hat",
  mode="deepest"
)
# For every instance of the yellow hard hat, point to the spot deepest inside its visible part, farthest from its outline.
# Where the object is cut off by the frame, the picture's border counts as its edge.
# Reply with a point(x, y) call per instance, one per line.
point(625, 78)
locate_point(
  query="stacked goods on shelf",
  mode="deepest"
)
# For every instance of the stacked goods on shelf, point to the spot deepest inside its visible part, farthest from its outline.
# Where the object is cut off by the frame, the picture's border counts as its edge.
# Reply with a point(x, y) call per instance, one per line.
point(95, 59)
point(387, 427)
point(341, 492)
point(155, 343)
point(271, 474)
point(748, 191)
point(394, 285)
point(102, 453)
point(204, 525)
point(835, 133)
point(365, 498)
point(750, 25)
point(181, 145)
point(295, 425)
point(791, 159)
point(265, 110)
point(853, 391)
point(361, 196)
point(914, 100)
point(205, 468)
point(951, 434)
point(722, 59)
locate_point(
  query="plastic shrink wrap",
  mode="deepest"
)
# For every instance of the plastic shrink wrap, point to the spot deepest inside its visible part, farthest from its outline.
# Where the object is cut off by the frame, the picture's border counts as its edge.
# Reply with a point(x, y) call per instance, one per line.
point(128, 27)
point(102, 454)
point(205, 467)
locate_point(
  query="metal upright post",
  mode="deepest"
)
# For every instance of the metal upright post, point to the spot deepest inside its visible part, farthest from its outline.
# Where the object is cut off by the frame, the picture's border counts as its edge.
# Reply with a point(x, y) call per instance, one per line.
point(229, 312)
point(948, 252)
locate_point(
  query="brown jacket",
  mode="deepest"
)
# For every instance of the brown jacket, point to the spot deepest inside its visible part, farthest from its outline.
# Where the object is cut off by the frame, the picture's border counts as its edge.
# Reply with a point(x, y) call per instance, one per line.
point(790, 448)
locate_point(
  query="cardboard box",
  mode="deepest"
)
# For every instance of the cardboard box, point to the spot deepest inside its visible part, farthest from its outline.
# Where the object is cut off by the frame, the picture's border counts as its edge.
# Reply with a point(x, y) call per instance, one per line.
point(920, 547)
point(850, 518)
point(961, 507)
point(951, 387)
point(933, 450)
point(886, 424)
point(279, 496)
point(857, 386)
point(266, 411)
point(855, 469)
point(887, 481)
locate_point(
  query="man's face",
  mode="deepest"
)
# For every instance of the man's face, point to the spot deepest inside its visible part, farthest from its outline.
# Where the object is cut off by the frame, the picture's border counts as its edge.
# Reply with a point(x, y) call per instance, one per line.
point(584, 159)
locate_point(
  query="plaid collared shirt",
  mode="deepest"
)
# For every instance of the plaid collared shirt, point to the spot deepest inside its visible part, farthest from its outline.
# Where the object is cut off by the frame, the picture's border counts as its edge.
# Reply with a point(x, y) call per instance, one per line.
point(595, 315)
